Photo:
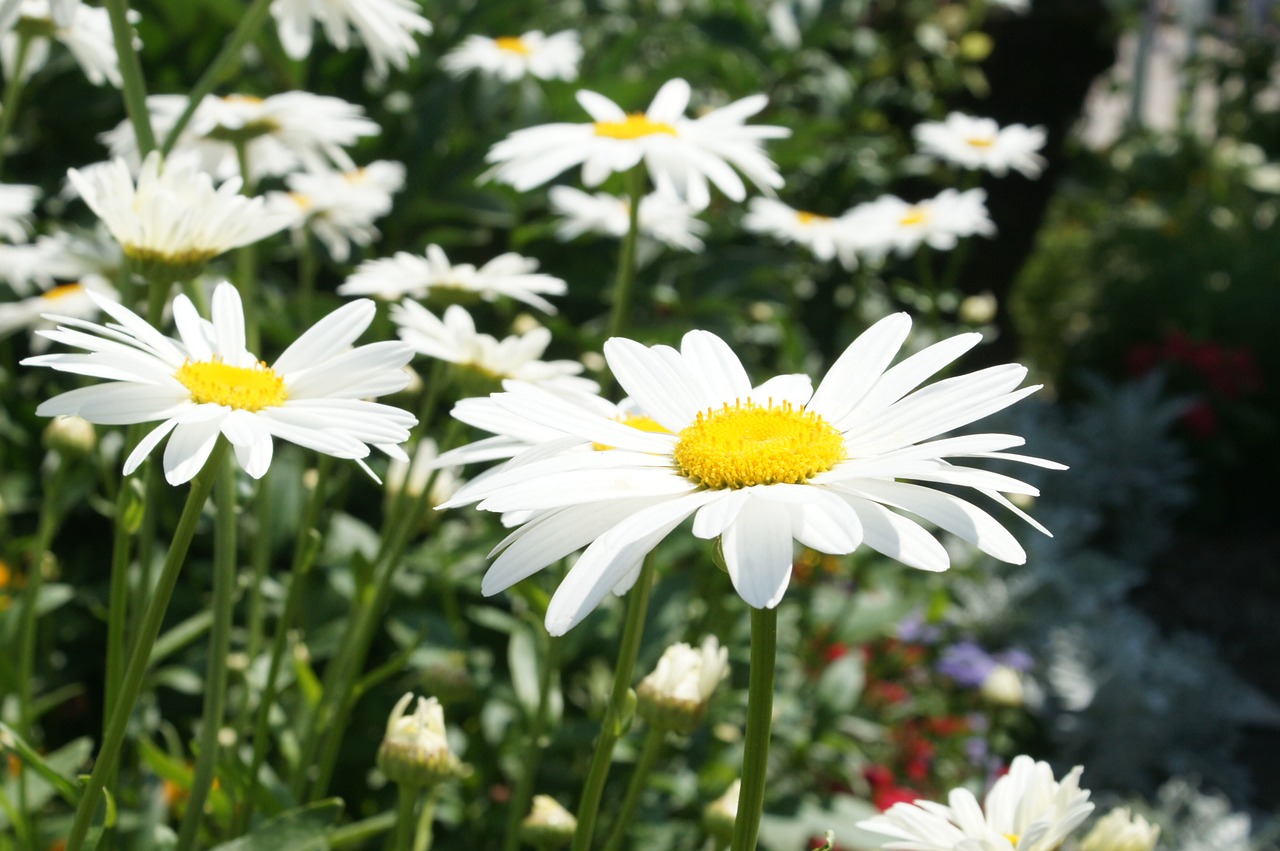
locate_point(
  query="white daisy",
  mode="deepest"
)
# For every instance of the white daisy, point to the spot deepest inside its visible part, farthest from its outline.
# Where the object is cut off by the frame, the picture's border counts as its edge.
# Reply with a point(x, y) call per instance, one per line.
point(173, 219)
point(980, 143)
point(84, 30)
point(387, 28)
point(340, 207)
point(456, 340)
point(1019, 6)
point(206, 383)
point(64, 299)
point(680, 154)
point(663, 218)
point(892, 224)
point(283, 133)
point(59, 256)
point(1026, 810)
point(547, 57)
point(756, 467)
point(17, 206)
point(409, 275)
point(826, 236)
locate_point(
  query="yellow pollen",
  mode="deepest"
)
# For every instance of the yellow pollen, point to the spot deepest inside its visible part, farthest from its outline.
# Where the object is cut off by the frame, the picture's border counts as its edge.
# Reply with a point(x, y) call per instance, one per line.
point(302, 199)
point(747, 444)
point(247, 388)
point(634, 126)
point(1012, 837)
point(636, 421)
point(980, 143)
point(807, 218)
point(914, 216)
point(512, 44)
point(62, 291)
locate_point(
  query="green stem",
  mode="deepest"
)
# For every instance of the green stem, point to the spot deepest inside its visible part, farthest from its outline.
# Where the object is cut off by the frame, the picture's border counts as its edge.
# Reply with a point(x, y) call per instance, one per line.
point(134, 87)
point(13, 93)
point(406, 809)
point(639, 780)
point(247, 262)
point(118, 608)
point(616, 716)
point(426, 822)
point(218, 69)
point(755, 756)
point(215, 695)
point(308, 266)
point(623, 285)
point(533, 749)
point(139, 660)
point(359, 832)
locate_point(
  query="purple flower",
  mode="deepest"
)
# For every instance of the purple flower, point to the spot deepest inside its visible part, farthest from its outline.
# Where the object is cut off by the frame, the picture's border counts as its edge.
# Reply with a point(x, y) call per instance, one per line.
point(966, 663)
point(914, 628)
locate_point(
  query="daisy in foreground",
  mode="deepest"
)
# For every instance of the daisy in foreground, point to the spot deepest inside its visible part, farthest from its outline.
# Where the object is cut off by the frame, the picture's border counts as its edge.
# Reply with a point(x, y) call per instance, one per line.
point(758, 468)
point(206, 383)
point(1026, 810)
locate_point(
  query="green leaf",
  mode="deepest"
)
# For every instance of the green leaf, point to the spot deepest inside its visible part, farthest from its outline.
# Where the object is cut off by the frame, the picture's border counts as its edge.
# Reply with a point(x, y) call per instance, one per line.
point(841, 683)
point(300, 829)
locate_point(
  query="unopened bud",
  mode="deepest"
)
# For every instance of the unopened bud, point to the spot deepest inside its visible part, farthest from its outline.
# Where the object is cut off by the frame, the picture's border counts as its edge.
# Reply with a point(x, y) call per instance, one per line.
point(675, 696)
point(720, 814)
point(70, 436)
point(548, 825)
point(415, 751)
point(978, 309)
point(1003, 686)
point(1119, 830)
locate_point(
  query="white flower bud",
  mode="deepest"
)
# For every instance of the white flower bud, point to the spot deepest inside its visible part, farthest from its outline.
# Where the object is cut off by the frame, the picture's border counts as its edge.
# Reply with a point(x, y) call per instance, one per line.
point(548, 824)
point(1119, 830)
point(720, 814)
point(1003, 686)
point(415, 751)
point(676, 694)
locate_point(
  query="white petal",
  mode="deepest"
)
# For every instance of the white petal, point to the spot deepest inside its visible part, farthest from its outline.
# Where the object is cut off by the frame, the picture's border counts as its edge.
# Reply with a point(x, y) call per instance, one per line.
point(957, 516)
point(859, 367)
point(899, 538)
point(149, 442)
point(329, 336)
point(759, 553)
point(188, 448)
point(648, 377)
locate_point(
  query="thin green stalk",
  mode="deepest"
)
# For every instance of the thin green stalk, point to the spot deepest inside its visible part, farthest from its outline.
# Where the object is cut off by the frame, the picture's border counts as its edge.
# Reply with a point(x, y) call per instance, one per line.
point(215, 694)
point(118, 605)
point(426, 822)
point(616, 715)
point(139, 660)
point(357, 833)
point(406, 810)
point(247, 262)
point(533, 749)
point(13, 93)
point(134, 86)
point(308, 266)
point(218, 69)
point(755, 756)
point(623, 285)
point(639, 780)
point(264, 510)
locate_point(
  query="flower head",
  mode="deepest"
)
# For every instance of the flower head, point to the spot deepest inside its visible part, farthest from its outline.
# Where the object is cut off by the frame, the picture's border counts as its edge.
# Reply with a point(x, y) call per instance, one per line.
point(84, 30)
point(1120, 830)
point(680, 154)
point(663, 218)
point(891, 224)
point(548, 825)
point(17, 203)
point(340, 206)
point(720, 815)
point(205, 383)
point(826, 236)
point(415, 750)
point(758, 467)
point(547, 57)
point(676, 694)
point(386, 28)
point(980, 143)
point(64, 299)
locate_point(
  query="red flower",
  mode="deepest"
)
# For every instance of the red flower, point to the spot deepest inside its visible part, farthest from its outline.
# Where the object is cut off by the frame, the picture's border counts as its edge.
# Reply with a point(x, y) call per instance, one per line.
point(886, 798)
point(1200, 420)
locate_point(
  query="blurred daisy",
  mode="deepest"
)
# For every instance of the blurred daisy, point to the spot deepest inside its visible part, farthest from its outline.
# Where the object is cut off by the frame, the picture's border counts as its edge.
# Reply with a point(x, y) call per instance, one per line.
point(1020, 6)
point(409, 275)
point(59, 256)
point(456, 340)
point(1026, 810)
point(980, 143)
point(17, 205)
point(71, 300)
point(547, 57)
point(283, 133)
point(825, 236)
point(761, 467)
point(663, 218)
point(680, 154)
point(386, 28)
point(206, 383)
point(340, 207)
point(173, 220)
point(891, 224)
point(84, 30)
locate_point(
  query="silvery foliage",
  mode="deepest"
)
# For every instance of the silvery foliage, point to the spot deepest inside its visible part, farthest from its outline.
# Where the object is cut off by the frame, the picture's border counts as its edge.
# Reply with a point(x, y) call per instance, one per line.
point(1191, 820)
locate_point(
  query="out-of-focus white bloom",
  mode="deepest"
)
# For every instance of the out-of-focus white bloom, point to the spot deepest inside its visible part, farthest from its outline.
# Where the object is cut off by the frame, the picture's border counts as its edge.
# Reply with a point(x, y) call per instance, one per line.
point(1020, 6)
point(386, 27)
point(65, 300)
point(681, 154)
point(721, 814)
point(340, 207)
point(17, 203)
point(663, 218)
point(675, 695)
point(73, 436)
point(1026, 810)
point(59, 256)
point(980, 143)
point(456, 340)
point(978, 309)
point(548, 824)
point(413, 477)
point(1120, 830)
point(1003, 686)
point(409, 275)
point(173, 219)
point(283, 133)
point(415, 750)
point(826, 236)
point(891, 224)
point(85, 30)
point(547, 57)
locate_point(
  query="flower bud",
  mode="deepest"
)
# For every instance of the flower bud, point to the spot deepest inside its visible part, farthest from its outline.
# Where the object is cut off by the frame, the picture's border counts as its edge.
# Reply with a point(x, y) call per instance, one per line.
point(415, 751)
point(1118, 830)
point(676, 694)
point(1003, 686)
point(720, 814)
point(548, 825)
point(70, 436)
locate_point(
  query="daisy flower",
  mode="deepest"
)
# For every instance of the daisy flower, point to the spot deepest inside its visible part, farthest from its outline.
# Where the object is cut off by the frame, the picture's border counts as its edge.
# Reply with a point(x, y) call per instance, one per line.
point(339, 207)
point(455, 340)
point(826, 237)
point(757, 467)
point(17, 205)
point(64, 299)
point(386, 28)
point(413, 276)
point(680, 154)
point(663, 218)
point(205, 383)
point(84, 30)
point(173, 220)
point(976, 143)
point(283, 133)
point(891, 224)
point(547, 57)
point(1026, 810)
point(59, 256)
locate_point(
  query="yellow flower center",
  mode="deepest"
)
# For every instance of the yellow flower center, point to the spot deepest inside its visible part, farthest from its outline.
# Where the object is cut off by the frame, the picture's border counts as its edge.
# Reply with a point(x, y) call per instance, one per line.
point(247, 388)
point(62, 291)
point(748, 444)
point(914, 216)
point(512, 44)
point(634, 126)
point(1012, 837)
point(807, 218)
point(302, 199)
point(360, 175)
point(636, 421)
point(251, 100)
point(980, 142)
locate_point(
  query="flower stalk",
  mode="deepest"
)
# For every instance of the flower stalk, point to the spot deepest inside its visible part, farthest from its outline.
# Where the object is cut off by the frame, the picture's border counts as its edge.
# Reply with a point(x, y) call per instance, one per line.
point(134, 87)
point(624, 284)
point(649, 753)
point(755, 757)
